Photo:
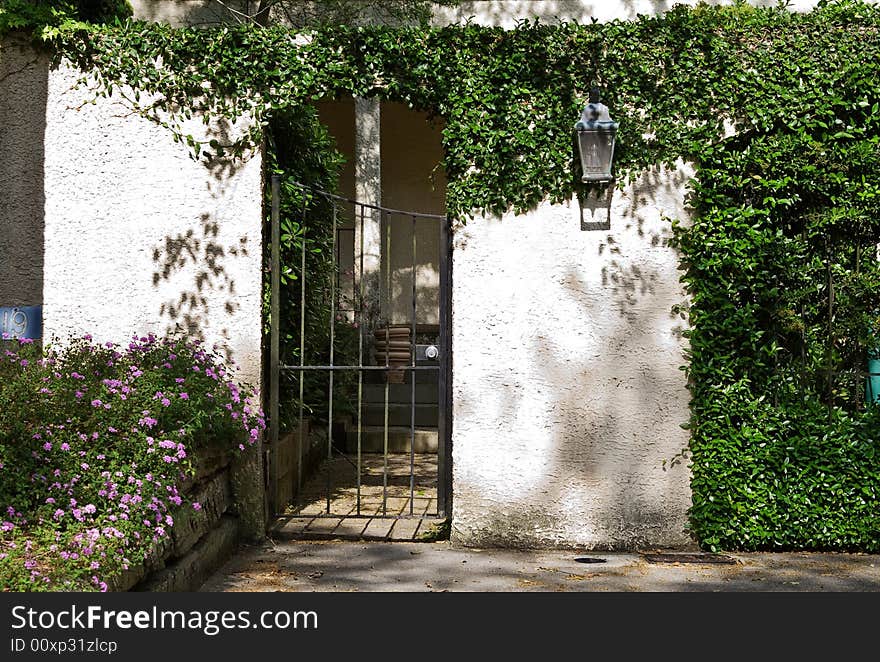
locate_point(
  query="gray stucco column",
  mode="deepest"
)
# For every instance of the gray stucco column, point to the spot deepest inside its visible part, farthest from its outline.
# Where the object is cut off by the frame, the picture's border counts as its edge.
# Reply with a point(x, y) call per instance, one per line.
point(24, 76)
point(368, 190)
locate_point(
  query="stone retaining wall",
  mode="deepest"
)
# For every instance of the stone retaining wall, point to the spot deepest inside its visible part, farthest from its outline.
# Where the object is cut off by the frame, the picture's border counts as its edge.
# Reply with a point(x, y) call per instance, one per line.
point(200, 540)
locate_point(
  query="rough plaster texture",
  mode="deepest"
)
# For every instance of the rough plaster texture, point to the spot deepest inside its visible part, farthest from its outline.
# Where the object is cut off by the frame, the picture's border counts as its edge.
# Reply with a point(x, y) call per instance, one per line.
point(23, 93)
point(486, 12)
point(506, 13)
point(186, 12)
point(567, 393)
point(139, 237)
point(116, 230)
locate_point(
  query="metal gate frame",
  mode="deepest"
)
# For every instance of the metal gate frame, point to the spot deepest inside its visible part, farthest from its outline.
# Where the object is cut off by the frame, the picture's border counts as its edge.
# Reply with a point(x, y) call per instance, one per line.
point(444, 367)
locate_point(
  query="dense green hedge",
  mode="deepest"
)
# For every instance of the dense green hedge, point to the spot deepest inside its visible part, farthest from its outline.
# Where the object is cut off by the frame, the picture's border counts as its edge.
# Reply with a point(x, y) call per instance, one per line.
point(784, 451)
point(785, 286)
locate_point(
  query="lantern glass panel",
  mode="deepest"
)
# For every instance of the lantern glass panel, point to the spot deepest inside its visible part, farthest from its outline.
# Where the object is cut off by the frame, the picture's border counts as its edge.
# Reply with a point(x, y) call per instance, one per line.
point(597, 153)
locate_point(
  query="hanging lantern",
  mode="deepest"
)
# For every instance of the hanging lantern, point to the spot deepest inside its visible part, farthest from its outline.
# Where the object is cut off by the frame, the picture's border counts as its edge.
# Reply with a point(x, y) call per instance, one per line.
point(596, 134)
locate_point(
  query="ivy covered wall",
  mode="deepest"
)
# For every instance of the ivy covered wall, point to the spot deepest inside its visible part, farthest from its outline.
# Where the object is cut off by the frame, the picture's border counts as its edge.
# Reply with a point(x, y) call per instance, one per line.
point(778, 112)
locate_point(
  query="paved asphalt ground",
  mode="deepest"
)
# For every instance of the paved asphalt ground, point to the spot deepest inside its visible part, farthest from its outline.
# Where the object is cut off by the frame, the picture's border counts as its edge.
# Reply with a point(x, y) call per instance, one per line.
point(344, 566)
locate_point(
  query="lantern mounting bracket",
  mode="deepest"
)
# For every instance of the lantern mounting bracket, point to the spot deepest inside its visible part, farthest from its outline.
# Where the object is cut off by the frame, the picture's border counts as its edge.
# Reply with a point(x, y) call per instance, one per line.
point(591, 208)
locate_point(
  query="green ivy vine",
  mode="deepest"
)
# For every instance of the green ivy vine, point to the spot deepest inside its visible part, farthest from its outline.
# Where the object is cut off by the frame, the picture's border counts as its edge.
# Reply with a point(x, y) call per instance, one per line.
point(508, 97)
point(780, 113)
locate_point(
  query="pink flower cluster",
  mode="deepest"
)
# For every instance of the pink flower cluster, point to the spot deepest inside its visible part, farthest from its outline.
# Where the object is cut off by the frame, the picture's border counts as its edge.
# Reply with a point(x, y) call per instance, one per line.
point(109, 442)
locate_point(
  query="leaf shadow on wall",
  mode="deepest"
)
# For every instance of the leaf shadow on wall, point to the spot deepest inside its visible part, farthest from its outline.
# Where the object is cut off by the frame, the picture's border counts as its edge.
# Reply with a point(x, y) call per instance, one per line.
point(629, 281)
point(202, 257)
point(223, 168)
point(612, 413)
point(550, 11)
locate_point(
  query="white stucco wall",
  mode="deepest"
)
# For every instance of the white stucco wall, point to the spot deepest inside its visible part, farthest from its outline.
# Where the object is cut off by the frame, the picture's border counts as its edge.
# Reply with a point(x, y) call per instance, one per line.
point(484, 12)
point(136, 236)
point(566, 384)
point(186, 12)
point(506, 13)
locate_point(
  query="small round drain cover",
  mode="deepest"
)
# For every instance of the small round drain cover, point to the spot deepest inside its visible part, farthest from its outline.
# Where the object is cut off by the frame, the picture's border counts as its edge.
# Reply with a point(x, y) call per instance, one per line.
point(589, 559)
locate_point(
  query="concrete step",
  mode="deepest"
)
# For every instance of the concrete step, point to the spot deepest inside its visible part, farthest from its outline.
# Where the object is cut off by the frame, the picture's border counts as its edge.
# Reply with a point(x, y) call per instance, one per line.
point(401, 393)
point(373, 440)
point(400, 414)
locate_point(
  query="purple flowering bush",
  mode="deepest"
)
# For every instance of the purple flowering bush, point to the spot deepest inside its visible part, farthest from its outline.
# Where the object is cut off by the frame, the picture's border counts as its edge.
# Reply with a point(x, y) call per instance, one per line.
point(95, 442)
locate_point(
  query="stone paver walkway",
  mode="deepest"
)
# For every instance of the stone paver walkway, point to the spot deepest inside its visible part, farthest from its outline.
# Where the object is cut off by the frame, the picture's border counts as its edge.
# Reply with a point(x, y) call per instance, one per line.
point(392, 507)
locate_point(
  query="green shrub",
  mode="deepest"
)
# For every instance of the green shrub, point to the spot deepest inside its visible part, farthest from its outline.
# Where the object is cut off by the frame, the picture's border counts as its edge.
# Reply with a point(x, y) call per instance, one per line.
point(781, 264)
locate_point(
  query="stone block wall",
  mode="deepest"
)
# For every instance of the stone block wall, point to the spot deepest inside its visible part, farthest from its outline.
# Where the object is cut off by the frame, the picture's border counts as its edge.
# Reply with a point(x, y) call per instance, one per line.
point(200, 540)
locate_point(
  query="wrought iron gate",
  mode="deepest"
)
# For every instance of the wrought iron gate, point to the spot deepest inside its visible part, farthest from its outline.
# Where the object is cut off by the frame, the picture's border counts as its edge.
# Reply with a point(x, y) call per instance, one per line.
point(363, 414)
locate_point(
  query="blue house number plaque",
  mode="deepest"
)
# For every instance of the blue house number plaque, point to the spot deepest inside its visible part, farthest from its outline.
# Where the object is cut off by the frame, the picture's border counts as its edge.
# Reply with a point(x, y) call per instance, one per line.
point(21, 322)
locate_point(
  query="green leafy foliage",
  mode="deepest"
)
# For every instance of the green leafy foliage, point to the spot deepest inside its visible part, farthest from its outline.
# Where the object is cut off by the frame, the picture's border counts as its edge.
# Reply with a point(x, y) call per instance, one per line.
point(302, 152)
point(509, 98)
point(785, 293)
point(45, 16)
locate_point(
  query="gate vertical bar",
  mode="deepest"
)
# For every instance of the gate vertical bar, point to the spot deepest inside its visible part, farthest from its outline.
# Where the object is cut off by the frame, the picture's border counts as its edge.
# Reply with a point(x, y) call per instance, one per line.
point(302, 347)
point(444, 429)
point(332, 341)
point(361, 327)
point(412, 375)
point(274, 343)
point(387, 360)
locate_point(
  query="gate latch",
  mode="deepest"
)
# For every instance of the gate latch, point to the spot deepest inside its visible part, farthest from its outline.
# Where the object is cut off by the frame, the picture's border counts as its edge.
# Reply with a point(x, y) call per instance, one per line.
point(427, 352)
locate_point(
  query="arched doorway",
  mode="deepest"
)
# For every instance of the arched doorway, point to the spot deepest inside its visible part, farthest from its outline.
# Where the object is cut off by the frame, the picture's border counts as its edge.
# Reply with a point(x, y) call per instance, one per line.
point(373, 458)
